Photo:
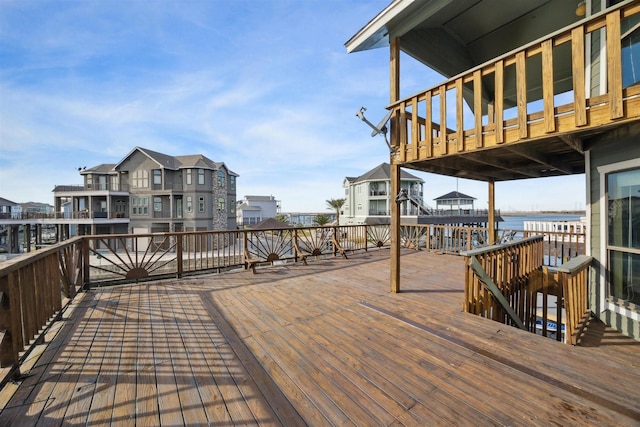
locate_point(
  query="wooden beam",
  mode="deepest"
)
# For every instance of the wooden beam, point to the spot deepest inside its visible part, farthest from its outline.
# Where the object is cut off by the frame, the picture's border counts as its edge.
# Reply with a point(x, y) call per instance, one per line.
point(492, 213)
point(495, 291)
point(499, 102)
point(614, 66)
point(574, 142)
point(547, 86)
point(578, 67)
point(477, 107)
point(521, 89)
point(394, 71)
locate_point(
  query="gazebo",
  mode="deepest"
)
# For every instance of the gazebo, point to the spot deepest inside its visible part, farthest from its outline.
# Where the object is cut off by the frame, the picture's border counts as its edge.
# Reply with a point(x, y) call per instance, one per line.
point(455, 203)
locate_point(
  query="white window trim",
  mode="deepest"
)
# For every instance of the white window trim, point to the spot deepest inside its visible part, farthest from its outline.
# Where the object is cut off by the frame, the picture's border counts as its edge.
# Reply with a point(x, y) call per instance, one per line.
point(603, 171)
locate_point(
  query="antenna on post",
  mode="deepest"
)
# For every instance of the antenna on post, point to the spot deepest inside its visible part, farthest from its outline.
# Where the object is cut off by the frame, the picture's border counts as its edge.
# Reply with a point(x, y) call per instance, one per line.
point(380, 129)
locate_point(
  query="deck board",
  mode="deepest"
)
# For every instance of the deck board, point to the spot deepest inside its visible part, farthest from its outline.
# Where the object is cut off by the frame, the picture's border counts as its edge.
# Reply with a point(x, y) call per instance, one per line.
point(315, 345)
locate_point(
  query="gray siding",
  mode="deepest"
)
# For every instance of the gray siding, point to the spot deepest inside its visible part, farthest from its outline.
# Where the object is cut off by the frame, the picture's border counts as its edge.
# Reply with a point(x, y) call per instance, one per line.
point(613, 147)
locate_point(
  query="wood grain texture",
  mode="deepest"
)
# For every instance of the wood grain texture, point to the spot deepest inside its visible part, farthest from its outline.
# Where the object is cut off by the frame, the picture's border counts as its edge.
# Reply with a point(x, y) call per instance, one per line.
point(322, 344)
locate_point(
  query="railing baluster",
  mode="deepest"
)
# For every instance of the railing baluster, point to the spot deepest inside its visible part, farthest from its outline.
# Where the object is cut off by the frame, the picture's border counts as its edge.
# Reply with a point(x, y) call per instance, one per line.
point(547, 86)
point(614, 65)
point(578, 70)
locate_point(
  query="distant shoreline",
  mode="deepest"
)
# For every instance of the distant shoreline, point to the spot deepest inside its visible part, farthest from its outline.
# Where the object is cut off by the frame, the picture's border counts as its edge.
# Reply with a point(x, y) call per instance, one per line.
point(582, 212)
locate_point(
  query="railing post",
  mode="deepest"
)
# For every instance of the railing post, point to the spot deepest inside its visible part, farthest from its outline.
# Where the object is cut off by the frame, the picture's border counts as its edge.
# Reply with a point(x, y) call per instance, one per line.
point(85, 263)
point(179, 255)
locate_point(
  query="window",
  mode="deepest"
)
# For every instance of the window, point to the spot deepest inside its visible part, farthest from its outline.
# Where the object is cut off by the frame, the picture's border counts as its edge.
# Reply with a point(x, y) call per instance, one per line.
point(201, 204)
point(232, 206)
point(232, 182)
point(89, 181)
point(157, 177)
point(201, 176)
point(221, 204)
point(179, 208)
point(221, 179)
point(623, 235)
point(140, 179)
point(189, 204)
point(631, 58)
point(139, 206)
point(188, 176)
point(157, 204)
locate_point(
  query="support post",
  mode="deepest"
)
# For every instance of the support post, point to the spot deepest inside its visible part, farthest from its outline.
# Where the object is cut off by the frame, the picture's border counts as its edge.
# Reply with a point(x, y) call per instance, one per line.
point(394, 169)
point(492, 213)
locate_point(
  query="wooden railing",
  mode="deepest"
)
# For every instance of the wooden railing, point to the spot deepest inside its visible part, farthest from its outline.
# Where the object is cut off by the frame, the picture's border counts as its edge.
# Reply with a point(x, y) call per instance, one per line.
point(573, 279)
point(428, 132)
point(509, 284)
point(34, 288)
point(559, 246)
point(496, 280)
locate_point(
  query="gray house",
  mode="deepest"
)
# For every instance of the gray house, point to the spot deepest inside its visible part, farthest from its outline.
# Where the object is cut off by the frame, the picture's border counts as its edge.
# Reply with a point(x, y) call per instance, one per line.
point(368, 198)
point(150, 192)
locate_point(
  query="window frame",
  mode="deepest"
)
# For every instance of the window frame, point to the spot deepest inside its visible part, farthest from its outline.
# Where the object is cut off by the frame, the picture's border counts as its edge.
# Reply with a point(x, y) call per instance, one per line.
point(607, 301)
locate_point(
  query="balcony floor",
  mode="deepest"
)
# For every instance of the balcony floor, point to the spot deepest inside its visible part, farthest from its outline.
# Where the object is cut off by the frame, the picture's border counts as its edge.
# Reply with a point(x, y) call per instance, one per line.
point(324, 344)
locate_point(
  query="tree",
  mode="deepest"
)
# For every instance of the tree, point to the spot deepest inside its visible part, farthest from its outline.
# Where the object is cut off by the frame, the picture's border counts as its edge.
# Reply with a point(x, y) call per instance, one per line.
point(282, 218)
point(337, 205)
point(321, 220)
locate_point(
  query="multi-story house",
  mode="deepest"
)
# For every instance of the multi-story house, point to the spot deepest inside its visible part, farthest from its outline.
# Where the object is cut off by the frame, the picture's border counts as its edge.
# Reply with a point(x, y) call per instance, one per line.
point(368, 198)
point(531, 89)
point(253, 209)
point(149, 192)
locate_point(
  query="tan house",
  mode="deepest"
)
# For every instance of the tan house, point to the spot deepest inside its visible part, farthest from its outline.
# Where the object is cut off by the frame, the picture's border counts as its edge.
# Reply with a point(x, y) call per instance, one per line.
point(526, 93)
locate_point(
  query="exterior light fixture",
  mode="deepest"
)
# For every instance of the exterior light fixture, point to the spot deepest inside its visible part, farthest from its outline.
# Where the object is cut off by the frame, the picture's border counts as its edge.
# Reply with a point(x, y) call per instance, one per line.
point(402, 196)
point(581, 10)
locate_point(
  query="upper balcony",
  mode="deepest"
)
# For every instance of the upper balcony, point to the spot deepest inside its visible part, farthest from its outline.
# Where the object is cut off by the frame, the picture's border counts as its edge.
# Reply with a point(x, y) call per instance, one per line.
point(526, 113)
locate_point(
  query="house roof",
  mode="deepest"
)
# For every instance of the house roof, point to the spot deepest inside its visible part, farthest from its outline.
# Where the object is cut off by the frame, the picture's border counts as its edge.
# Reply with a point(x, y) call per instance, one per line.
point(178, 162)
point(5, 202)
point(382, 173)
point(270, 224)
point(101, 168)
point(454, 195)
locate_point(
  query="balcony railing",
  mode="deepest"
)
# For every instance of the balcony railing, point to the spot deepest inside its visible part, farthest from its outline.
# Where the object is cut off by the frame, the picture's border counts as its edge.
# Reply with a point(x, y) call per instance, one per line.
point(428, 132)
point(92, 187)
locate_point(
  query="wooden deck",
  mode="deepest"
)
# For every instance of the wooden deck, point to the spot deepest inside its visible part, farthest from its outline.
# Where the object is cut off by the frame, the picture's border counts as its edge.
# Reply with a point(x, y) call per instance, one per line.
point(323, 344)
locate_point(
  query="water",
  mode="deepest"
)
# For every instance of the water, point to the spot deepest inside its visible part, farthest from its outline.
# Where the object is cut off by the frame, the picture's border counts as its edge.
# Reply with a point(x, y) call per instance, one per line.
point(516, 222)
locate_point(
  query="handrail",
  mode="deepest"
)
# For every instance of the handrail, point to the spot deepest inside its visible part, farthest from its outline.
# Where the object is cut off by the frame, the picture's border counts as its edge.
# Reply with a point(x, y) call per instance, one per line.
point(573, 277)
point(509, 266)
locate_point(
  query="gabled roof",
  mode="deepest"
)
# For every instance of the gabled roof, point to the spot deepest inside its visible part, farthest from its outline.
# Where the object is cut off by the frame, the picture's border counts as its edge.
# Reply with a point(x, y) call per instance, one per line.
point(165, 161)
point(454, 195)
point(270, 224)
point(5, 202)
point(382, 173)
point(196, 161)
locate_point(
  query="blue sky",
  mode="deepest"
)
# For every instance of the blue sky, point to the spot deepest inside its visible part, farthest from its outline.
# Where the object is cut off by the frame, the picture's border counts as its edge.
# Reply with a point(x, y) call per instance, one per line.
point(265, 86)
